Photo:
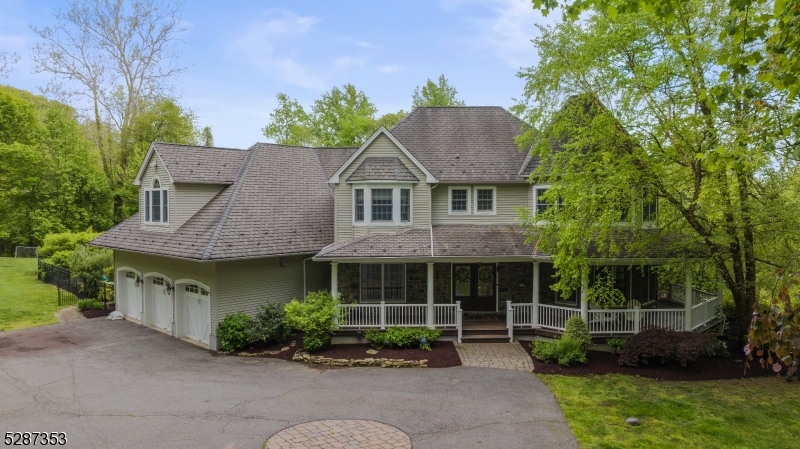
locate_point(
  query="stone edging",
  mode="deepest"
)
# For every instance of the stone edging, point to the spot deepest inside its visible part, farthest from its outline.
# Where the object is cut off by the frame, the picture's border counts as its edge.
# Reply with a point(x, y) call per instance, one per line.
point(302, 356)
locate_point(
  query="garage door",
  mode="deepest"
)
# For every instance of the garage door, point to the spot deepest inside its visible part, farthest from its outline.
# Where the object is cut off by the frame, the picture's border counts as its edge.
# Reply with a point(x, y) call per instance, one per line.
point(133, 297)
point(162, 305)
point(196, 313)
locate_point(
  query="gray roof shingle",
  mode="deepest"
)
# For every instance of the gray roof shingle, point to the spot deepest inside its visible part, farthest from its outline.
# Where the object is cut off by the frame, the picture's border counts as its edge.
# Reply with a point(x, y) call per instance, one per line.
point(333, 158)
point(195, 164)
point(415, 242)
point(382, 169)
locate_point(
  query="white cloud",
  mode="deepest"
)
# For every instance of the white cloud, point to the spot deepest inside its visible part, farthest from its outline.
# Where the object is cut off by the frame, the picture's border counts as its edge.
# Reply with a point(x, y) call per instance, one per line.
point(390, 68)
point(347, 61)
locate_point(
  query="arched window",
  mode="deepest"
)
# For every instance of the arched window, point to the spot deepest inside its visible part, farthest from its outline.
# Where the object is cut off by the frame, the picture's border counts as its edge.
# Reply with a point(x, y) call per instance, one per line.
point(156, 204)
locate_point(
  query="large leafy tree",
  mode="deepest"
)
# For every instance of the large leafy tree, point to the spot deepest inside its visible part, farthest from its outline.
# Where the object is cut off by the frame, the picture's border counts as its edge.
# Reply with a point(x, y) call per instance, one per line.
point(639, 124)
point(439, 93)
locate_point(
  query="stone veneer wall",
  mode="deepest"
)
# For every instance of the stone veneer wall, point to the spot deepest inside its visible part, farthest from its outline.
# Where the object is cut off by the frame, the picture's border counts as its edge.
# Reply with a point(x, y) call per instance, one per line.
point(349, 278)
point(416, 283)
point(515, 282)
point(441, 283)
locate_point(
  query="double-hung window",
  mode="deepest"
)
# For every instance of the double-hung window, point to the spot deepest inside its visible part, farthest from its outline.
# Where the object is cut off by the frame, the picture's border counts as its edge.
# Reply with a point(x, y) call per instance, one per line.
point(459, 200)
point(156, 204)
point(359, 202)
point(383, 282)
point(485, 199)
point(543, 204)
point(649, 207)
point(405, 205)
point(381, 204)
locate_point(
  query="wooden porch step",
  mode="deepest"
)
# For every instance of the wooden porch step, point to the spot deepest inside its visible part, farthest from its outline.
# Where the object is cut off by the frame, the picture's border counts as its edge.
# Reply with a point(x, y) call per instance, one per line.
point(481, 338)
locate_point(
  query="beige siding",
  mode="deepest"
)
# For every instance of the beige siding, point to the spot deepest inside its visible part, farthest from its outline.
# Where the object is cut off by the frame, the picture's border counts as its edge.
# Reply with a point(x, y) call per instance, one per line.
point(244, 285)
point(509, 198)
point(190, 198)
point(318, 276)
point(382, 146)
point(156, 168)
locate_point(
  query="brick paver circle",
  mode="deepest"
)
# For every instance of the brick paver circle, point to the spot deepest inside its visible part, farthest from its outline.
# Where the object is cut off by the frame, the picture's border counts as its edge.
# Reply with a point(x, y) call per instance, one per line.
point(349, 433)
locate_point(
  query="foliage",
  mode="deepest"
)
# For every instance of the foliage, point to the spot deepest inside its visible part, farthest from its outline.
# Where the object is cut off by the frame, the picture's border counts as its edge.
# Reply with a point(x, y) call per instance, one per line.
point(235, 331)
point(314, 316)
point(206, 137)
point(61, 258)
point(576, 329)
point(65, 241)
point(662, 130)
point(565, 351)
point(91, 263)
point(7, 64)
point(602, 292)
point(718, 348)
point(90, 304)
point(616, 343)
point(665, 345)
point(403, 337)
point(269, 324)
point(24, 301)
point(435, 94)
point(688, 415)
point(774, 335)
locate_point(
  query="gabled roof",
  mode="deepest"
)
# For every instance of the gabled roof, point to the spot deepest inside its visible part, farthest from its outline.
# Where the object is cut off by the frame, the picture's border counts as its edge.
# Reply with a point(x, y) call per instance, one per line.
point(333, 158)
point(464, 143)
point(195, 164)
point(279, 204)
point(382, 169)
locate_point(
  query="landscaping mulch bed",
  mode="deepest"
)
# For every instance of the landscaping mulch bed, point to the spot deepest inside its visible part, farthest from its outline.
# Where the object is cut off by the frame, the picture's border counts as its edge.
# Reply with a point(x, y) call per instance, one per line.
point(93, 313)
point(442, 354)
point(709, 368)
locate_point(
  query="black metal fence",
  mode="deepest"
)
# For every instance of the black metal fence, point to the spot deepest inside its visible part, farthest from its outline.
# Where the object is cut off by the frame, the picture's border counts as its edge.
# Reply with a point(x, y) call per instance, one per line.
point(73, 289)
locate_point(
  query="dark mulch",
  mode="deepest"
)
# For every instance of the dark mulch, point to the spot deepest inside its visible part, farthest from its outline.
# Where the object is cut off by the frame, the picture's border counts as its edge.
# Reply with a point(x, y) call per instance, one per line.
point(93, 313)
point(442, 354)
point(711, 368)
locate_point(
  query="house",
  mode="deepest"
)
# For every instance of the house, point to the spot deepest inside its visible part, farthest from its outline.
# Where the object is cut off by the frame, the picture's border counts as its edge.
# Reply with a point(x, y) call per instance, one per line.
point(416, 227)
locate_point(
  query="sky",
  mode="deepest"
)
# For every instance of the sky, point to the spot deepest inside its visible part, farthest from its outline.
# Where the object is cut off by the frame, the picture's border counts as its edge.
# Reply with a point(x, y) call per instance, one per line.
point(240, 53)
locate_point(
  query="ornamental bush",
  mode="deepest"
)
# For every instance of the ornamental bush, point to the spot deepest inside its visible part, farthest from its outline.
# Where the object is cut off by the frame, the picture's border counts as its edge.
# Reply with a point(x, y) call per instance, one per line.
point(666, 346)
point(577, 330)
point(403, 337)
point(235, 331)
point(314, 316)
point(90, 304)
point(269, 324)
point(565, 351)
point(616, 343)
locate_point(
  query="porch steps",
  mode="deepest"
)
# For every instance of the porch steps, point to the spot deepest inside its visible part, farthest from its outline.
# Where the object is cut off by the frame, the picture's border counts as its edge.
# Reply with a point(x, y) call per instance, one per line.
point(484, 331)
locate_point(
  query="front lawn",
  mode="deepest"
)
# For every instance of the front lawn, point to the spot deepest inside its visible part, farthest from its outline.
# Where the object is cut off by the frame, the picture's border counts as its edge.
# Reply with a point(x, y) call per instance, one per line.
point(24, 301)
point(746, 413)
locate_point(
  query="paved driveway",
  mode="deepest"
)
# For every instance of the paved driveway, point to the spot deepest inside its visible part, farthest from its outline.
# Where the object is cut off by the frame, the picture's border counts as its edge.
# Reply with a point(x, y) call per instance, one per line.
point(113, 384)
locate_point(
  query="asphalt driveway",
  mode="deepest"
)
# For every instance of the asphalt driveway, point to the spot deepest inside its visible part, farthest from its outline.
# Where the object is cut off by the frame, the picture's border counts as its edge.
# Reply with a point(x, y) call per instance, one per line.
point(113, 384)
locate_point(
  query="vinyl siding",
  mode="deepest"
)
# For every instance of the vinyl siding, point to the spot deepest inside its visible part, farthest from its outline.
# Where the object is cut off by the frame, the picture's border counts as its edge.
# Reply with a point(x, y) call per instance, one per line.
point(318, 276)
point(509, 198)
point(190, 198)
point(382, 146)
point(156, 168)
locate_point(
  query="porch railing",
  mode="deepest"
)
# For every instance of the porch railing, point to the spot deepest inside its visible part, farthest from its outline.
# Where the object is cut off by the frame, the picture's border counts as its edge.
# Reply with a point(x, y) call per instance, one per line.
point(705, 311)
point(383, 315)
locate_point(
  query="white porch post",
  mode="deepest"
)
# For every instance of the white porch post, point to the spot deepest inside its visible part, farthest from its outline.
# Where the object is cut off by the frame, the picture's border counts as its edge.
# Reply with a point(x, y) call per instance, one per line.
point(535, 311)
point(584, 293)
point(335, 279)
point(431, 317)
point(688, 301)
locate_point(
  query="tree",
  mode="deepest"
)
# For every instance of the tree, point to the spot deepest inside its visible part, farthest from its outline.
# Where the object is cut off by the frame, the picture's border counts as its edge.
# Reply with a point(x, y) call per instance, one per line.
point(289, 124)
point(7, 63)
point(390, 119)
point(206, 137)
point(111, 57)
point(435, 94)
point(638, 127)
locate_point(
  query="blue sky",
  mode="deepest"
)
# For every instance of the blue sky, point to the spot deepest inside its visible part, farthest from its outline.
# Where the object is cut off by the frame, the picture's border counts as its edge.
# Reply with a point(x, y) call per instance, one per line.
point(240, 54)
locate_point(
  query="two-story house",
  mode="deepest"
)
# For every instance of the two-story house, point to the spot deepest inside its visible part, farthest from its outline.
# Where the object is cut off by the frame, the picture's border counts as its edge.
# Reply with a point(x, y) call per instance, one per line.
point(417, 226)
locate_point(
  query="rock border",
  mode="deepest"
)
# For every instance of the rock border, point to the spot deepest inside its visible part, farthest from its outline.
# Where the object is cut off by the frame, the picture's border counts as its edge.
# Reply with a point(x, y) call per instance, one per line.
point(304, 357)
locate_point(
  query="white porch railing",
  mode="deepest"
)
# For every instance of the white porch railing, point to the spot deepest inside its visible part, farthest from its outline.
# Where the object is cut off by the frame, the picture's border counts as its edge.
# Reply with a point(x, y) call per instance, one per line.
point(705, 311)
point(555, 317)
point(382, 315)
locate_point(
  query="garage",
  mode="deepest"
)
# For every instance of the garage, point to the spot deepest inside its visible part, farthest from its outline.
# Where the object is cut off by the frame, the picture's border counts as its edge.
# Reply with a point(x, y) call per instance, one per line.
point(130, 295)
point(195, 312)
point(160, 304)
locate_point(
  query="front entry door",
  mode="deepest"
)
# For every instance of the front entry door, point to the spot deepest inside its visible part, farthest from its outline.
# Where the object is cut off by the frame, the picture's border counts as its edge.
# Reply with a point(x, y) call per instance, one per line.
point(474, 286)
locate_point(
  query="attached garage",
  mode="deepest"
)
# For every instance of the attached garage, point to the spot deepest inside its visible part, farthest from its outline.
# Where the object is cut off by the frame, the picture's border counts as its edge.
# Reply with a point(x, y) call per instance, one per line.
point(158, 302)
point(194, 311)
point(130, 294)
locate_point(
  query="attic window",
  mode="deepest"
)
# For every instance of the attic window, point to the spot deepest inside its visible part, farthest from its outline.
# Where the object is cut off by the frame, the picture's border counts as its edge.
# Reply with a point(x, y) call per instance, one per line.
point(156, 204)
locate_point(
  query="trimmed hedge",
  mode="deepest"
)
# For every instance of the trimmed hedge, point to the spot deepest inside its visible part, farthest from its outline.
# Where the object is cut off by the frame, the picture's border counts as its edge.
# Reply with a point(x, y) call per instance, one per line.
point(666, 346)
point(403, 337)
point(565, 351)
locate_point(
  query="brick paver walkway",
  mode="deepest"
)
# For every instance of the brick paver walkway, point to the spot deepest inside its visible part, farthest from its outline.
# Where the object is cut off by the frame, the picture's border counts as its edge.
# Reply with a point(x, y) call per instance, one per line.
point(350, 434)
point(495, 355)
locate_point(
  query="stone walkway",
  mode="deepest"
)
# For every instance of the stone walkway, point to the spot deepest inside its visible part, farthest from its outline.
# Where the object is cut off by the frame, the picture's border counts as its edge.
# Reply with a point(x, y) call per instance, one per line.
point(351, 434)
point(69, 314)
point(495, 355)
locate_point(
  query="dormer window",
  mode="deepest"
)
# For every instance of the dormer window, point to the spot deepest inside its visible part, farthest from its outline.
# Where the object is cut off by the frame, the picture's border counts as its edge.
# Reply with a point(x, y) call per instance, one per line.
point(156, 204)
point(381, 204)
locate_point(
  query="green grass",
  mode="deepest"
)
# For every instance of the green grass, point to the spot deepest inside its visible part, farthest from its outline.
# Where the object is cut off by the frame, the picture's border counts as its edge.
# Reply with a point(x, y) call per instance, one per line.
point(24, 301)
point(755, 413)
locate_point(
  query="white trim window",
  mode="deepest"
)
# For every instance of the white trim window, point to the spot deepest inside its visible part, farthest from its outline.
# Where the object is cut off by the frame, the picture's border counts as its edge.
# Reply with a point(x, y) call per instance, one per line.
point(381, 204)
point(383, 282)
point(156, 204)
point(540, 205)
point(458, 199)
point(485, 200)
point(649, 207)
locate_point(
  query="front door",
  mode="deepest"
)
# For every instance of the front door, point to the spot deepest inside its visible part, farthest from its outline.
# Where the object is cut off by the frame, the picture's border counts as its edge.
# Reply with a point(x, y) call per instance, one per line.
point(474, 286)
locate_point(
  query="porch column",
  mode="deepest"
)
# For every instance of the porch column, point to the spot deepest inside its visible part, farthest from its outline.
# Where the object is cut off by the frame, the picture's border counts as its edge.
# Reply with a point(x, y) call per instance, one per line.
point(535, 311)
point(688, 301)
point(335, 279)
point(584, 293)
point(431, 312)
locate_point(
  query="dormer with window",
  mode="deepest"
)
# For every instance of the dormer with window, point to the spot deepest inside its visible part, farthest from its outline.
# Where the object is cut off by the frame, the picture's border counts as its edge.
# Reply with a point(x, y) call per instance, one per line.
point(156, 204)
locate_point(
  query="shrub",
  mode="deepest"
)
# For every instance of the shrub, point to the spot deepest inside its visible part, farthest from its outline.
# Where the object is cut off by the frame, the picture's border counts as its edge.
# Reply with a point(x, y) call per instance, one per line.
point(565, 351)
point(314, 316)
point(576, 329)
point(718, 348)
point(62, 258)
point(90, 263)
point(90, 304)
point(65, 241)
point(403, 337)
point(616, 343)
point(665, 345)
point(235, 331)
point(270, 325)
